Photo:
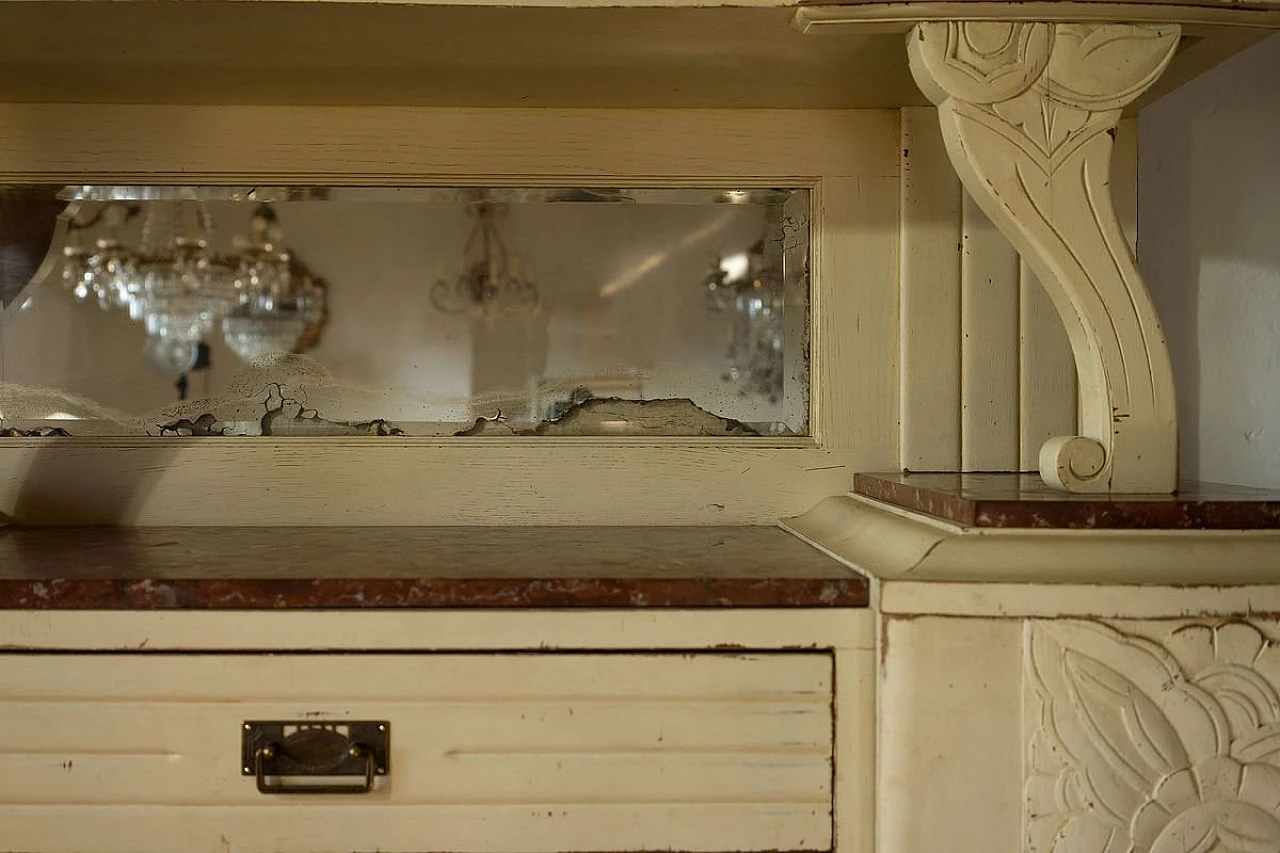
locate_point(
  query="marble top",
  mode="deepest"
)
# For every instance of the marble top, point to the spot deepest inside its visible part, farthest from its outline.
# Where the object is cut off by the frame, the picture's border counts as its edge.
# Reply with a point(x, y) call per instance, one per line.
point(1023, 500)
point(440, 567)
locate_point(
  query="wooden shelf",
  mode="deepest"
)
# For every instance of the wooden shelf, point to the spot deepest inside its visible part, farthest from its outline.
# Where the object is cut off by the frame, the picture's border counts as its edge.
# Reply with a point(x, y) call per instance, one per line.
point(416, 567)
point(535, 54)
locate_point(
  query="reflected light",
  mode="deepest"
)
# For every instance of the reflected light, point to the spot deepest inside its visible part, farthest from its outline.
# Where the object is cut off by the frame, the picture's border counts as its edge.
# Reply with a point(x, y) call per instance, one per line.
point(60, 416)
point(629, 277)
point(736, 267)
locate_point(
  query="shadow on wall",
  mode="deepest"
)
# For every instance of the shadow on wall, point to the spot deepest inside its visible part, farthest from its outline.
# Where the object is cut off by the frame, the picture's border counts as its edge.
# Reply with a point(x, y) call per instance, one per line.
point(1209, 246)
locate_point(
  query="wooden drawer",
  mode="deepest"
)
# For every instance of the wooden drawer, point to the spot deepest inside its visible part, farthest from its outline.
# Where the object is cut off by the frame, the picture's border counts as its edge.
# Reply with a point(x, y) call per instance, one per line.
point(522, 753)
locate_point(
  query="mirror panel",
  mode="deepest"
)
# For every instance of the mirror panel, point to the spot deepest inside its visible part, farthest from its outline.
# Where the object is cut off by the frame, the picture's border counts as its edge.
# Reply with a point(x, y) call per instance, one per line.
point(433, 311)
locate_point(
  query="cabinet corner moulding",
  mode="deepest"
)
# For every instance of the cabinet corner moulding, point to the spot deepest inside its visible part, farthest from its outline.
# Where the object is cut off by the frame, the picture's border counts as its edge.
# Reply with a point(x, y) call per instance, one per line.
point(1028, 111)
point(1155, 747)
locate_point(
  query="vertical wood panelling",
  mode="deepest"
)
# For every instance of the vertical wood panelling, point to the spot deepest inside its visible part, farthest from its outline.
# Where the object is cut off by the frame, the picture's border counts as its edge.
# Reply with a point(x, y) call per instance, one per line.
point(987, 373)
point(930, 301)
point(989, 345)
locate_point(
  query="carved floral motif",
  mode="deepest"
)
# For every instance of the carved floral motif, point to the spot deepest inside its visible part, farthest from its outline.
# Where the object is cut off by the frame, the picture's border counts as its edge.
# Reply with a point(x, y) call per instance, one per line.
point(1150, 748)
point(1028, 111)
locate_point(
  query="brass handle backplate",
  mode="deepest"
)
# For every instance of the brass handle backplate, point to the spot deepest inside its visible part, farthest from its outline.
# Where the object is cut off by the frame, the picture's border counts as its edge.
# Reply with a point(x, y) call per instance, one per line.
point(314, 750)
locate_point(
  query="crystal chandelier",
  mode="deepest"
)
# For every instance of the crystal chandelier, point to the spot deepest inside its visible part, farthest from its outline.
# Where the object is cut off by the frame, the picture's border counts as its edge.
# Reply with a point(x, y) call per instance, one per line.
point(276, 307)
point(488, 285)
point(180, 289)
point(748, 288)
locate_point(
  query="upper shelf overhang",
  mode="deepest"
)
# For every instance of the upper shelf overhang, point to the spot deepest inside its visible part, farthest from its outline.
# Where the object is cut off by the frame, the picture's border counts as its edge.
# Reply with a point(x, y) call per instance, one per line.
point(539, 53)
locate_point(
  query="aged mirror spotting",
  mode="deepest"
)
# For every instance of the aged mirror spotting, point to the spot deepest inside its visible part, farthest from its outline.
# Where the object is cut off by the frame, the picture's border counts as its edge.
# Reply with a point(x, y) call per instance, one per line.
point(308, 311)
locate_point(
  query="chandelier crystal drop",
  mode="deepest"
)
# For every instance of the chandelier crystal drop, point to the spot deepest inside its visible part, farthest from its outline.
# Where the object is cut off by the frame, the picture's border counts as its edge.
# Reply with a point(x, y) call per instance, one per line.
point(749, 289)
point(277, 307)
point(180, 290)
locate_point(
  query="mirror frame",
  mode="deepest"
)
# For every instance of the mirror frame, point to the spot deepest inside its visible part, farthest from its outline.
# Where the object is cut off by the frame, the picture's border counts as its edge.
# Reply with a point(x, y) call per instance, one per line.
point(849, 159)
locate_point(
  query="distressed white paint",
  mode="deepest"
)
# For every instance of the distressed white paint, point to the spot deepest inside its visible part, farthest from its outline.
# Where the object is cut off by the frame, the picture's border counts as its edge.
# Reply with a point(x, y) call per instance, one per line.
point(892, 544)
point(849, 157)
point(950, 750)
point(989, 352)
point(546, 752)
point(930, 298)
point(1140, 745)
point(439, 630)
point(987, 374)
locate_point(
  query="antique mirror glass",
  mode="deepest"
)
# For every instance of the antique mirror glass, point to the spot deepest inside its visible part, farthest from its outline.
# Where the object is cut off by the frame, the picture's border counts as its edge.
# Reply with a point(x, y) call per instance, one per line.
point(247, 311)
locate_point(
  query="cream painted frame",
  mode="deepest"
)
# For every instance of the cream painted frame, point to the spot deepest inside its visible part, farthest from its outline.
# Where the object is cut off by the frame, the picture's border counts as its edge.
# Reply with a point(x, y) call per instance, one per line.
point(848, 158)
point(850, 635)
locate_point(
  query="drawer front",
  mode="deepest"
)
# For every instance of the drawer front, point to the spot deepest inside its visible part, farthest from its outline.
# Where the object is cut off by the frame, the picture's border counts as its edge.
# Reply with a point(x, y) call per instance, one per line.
point(522, 753)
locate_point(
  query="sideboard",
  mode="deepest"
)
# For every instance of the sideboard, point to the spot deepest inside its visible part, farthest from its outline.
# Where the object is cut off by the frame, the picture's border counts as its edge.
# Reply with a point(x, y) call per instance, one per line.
point(1029, 635)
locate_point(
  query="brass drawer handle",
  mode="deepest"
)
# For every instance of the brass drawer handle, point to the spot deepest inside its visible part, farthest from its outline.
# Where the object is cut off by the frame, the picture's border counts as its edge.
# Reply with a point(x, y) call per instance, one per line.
point(275, 751)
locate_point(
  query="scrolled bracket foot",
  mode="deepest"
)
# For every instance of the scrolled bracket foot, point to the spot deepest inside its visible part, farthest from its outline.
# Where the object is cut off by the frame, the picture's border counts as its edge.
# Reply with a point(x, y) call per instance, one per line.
point(1029, 111)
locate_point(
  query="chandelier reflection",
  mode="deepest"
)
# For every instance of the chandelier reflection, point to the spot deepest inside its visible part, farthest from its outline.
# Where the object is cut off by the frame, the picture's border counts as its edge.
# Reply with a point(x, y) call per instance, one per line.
point(749, 289)
point(181, 290)
point(489, 284)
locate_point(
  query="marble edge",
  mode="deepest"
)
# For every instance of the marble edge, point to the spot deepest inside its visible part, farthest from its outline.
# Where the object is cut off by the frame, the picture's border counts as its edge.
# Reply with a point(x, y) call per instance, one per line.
point(1071, 512)
point(433, 593)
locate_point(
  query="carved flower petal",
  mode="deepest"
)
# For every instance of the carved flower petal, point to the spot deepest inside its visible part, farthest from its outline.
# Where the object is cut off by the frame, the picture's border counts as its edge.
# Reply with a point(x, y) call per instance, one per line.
point(1106, 67)
point(1164, 719)
point(1233, 826)
point(1084, 832)
point(1177, 794)
point(1192, 645)
point(1262, 744)
point(1239, 642)
point(1042, 793)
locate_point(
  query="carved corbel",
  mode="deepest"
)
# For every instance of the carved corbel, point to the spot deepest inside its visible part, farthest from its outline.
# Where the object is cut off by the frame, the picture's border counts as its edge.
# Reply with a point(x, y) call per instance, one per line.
point(1029, 111)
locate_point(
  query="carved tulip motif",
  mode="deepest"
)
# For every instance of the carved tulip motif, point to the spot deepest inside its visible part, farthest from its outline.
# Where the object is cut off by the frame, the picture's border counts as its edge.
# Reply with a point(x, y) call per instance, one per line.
point(1141, 748)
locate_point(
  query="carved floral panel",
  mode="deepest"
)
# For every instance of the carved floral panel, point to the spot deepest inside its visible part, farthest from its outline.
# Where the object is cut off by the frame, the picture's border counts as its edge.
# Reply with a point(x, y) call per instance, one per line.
point(1152, 747)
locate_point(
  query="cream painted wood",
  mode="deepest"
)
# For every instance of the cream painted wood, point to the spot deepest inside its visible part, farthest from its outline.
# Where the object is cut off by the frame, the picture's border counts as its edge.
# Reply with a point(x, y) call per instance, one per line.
point(438, 630)
point(1047, 385)
point(853, 377)
point(388, 145)
point(989, 318)
point(855, 748)
point(435, 684)
point(1039, 165)
point(930, 343)
point(1151, 736)
point(932, 286)
point(849, 158)
point(528, 753)
point(1046, 365)
point(950, 751)
point(674, 53)
point(324, 829)
point(1079, 735)
point(987, 373)
point(892, 544)
point(1109, 601)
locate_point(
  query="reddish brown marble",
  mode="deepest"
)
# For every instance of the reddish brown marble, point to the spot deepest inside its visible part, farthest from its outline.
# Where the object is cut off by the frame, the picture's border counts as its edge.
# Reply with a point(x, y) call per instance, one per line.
point(264, 568)
point(1023, 500)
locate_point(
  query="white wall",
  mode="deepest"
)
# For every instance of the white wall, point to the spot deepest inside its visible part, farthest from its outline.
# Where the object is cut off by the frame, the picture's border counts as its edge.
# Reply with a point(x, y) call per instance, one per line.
point(1209, 245)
